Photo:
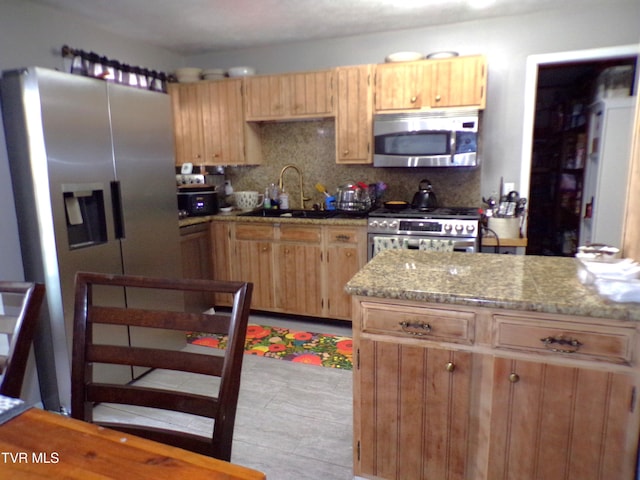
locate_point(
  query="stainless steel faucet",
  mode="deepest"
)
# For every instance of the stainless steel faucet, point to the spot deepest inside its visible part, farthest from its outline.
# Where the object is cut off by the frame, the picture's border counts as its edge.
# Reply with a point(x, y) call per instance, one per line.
point(281, 183)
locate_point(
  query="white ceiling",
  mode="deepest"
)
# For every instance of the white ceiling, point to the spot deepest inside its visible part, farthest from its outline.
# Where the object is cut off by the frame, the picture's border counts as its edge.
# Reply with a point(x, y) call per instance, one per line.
point(197, 26)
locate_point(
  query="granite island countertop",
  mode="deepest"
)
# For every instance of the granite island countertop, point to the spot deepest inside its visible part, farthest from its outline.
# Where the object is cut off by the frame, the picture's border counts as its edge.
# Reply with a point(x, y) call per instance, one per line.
point(516, 282)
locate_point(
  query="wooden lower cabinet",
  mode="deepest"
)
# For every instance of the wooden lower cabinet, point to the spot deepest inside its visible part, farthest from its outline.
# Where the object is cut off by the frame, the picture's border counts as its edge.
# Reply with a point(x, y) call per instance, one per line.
point(253, 261)
point(195, 246)
point(556, 422)
point(413, 411)
point(297, 275)
point(345, 255)
point(296, 269)
point(483, 401)
point(221, 258)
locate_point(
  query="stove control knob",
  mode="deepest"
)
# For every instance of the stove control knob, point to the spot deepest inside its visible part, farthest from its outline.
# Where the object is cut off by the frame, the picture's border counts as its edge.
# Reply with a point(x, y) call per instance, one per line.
point(393, 225)
point(459, 228)
point(373, 224)
point(471, 228)
point(447, 228)
point(383, 224)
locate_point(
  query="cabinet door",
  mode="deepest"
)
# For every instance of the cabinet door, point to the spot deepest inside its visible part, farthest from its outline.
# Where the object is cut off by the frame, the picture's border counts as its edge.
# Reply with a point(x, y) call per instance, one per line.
point(310, 94)
point(412, 411)
point(354, 114)
point(221, 258)
point(254, 263)
point(400, 86)
point(298, 279)
point(187, 123)
point(557, 422)
point(195, 244)
point(457, 82)
point(223, 122)
point(265, 97)
point(346, 255)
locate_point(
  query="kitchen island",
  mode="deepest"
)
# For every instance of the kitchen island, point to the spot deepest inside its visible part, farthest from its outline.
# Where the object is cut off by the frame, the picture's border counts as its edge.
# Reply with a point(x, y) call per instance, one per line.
point(491, 366)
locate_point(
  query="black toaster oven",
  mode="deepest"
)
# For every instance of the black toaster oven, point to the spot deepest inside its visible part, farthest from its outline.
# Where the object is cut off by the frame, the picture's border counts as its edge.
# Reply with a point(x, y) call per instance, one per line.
point(198, 200)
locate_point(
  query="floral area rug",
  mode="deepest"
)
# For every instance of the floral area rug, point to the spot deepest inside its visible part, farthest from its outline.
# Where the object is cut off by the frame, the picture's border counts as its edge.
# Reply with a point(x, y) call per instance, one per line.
point(301, 347)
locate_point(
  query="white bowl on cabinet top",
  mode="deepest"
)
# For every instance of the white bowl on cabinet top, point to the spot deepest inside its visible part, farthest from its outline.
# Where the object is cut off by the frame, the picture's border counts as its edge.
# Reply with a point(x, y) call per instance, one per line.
point(189, 74)
point(404, 57)
point(241, 71)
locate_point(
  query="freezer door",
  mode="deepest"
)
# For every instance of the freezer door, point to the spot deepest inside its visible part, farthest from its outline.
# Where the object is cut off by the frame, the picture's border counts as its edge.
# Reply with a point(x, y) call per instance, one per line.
point(145, 171)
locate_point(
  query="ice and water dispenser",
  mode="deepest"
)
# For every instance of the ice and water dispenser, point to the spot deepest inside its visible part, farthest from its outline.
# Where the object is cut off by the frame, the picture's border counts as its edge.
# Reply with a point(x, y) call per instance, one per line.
point(84, 206)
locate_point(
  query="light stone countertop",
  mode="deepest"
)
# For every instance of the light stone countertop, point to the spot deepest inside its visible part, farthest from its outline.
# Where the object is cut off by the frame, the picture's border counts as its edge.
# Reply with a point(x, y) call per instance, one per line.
point(235, 217)
point(516, 282)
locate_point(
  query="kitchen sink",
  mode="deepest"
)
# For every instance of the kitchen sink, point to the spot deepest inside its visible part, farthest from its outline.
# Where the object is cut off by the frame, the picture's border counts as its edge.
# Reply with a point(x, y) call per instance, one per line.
point(290, 213)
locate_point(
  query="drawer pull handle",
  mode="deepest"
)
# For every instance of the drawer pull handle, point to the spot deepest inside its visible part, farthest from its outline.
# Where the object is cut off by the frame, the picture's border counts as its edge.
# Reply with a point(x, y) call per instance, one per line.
point(561, 344)
point(421, 327)
point(450, 367)
point(514, 378)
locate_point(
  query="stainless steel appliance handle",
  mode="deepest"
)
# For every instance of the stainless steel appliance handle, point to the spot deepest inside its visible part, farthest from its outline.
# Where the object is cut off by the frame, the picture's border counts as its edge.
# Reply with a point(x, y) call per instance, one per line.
point(116, 204)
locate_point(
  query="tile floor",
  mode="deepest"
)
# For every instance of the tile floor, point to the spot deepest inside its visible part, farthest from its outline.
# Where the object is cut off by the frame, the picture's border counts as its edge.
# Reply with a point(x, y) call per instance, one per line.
point(294, 422)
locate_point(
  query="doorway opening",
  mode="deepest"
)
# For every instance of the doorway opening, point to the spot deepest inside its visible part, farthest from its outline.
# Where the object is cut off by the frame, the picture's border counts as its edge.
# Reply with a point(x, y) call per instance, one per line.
point(565, 91)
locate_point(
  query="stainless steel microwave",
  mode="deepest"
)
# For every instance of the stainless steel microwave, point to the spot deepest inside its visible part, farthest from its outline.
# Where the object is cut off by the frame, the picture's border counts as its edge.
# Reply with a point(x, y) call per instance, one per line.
point(426, 139)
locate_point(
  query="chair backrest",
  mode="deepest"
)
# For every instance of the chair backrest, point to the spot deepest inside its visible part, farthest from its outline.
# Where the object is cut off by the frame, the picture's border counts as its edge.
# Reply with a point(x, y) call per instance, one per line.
point(19, 313)
point(225, 367)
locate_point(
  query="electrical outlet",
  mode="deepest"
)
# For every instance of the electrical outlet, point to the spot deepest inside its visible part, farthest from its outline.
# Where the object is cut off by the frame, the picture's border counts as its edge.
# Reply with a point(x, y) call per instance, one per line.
point(508, 187)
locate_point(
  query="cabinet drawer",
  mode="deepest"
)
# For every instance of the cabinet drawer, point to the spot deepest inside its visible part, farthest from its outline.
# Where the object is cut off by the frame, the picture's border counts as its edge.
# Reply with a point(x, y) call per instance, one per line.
point(253, 231)
point(296, 233)
point(342, 235)
point(423, 323)
point(609, 343)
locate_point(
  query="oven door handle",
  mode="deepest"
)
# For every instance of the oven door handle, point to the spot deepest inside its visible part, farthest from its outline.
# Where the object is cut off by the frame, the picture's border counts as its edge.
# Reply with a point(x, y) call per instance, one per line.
point(411, 244)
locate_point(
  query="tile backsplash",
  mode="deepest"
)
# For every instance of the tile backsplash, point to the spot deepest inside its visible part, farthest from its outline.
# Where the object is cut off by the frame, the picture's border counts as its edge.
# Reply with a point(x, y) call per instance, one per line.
point(310, 145)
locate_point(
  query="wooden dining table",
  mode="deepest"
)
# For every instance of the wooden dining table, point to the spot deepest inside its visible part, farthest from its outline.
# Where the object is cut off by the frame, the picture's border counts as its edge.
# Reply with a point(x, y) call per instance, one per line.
point(42, 444)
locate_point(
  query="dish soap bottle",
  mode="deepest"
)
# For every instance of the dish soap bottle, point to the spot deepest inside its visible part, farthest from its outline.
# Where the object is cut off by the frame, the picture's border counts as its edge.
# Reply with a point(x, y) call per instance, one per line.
point(267, 199)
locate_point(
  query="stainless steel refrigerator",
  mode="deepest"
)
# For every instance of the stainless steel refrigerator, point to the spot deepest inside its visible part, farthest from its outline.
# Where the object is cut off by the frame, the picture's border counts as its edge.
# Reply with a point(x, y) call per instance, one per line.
point(92, 170)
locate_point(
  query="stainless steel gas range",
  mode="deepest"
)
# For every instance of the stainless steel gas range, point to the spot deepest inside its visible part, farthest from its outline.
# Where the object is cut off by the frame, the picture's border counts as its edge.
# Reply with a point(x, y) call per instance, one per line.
point(439, 229)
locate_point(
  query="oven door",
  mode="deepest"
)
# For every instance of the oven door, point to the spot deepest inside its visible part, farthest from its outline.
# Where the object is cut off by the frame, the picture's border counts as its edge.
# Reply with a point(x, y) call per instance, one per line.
point(378, 243)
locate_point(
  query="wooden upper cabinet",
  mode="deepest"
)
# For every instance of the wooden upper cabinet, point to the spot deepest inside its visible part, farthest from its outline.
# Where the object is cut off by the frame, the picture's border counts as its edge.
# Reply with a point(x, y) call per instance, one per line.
point(222, 122)
point(208, 121)
point(425, 84)
point(265, 97)
point(311, 93)
point(187, 123)
point(458, 82)
point(293, 95)
point(399, 86)
point(354, 114)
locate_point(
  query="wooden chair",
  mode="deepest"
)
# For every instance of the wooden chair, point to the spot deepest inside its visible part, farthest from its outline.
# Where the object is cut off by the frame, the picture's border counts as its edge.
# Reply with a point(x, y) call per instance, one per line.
point(86, 391)
point(19, 313)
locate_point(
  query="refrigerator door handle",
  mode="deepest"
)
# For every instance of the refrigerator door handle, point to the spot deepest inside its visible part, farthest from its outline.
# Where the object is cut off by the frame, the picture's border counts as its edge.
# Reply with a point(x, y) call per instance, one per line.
point(118, 216)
